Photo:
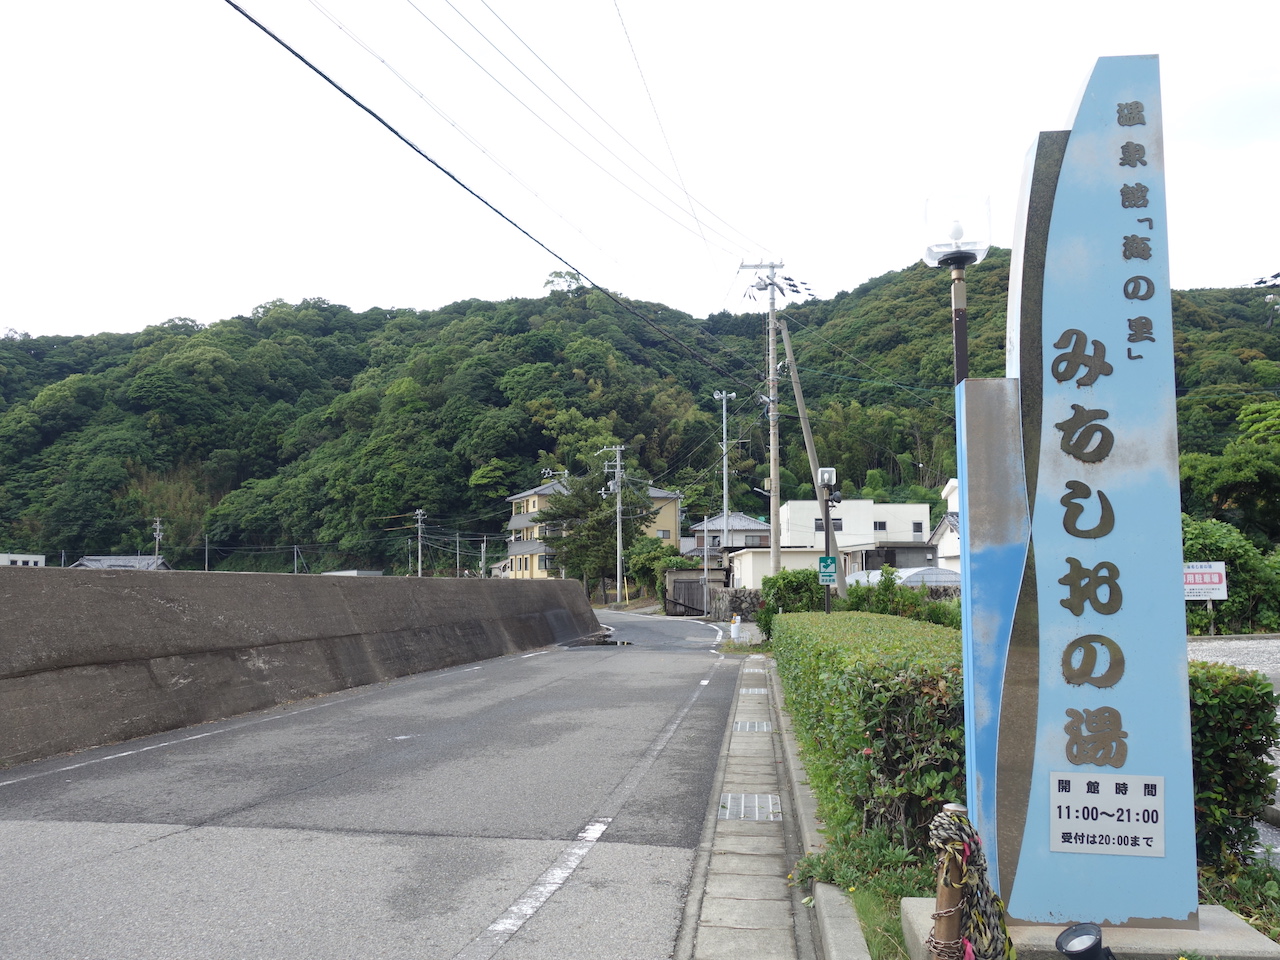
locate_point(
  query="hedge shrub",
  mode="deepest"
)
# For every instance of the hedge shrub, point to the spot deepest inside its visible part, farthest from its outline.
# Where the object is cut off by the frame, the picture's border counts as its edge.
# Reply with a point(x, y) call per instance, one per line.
point(878, 704)
point(1233, 731)
point(878, 701)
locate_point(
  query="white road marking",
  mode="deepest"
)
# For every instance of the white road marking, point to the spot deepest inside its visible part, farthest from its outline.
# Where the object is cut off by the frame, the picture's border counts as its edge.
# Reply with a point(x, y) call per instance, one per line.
point(485, 946)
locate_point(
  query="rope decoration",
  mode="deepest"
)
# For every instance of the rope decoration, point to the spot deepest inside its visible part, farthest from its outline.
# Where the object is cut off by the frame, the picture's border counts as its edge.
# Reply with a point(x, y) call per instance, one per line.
point(983, 934)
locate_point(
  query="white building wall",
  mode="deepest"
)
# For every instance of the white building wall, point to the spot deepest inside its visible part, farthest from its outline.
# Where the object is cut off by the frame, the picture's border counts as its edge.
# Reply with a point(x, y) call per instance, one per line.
point(797, 517)
point(21, 560)
point(901, 521)
point(858, 522)
point(751, 566)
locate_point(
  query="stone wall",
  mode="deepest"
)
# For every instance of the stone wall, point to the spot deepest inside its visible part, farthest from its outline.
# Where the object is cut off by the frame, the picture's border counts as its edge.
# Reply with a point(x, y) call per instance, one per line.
point(97, 656)
point(741, 602)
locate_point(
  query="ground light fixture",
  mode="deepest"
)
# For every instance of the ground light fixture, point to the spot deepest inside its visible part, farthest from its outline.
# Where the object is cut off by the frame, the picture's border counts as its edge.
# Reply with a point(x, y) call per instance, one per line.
point(1083, 941)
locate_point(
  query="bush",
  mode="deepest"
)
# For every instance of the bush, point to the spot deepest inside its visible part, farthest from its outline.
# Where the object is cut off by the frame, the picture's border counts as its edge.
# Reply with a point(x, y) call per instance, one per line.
point(878, 701)
point(793, 591)
point(1233, 731)
point(1253, 579)
point(878, 705)
point(889, 597)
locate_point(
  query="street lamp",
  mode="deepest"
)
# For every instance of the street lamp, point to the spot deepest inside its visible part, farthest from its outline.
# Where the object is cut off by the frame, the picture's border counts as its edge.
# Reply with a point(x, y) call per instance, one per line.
point(948, 248)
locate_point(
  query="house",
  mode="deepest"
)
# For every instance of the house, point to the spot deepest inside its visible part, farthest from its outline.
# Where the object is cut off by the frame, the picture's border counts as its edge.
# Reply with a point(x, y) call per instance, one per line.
point(866, 535)
point(21, 560)
point(708, 538)
point(854, 523)
point(529, 554)
point(945, 537)
point(121, 563)
point(750, 567)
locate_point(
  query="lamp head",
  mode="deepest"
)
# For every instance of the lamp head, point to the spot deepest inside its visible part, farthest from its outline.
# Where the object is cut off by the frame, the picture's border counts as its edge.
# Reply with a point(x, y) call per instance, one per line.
point(1082, 941)
point(948, 221)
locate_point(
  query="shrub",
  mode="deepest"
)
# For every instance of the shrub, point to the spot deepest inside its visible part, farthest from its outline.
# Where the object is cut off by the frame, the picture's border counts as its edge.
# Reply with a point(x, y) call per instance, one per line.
point(878, 705)
point(879, 702)
point(1233, 731)
point(793, 591)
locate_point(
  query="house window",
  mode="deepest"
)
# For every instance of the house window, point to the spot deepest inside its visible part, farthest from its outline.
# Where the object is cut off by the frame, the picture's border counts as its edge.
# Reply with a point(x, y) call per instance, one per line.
point(917, 528)
point(756, 540)
point(881, 525)
point(13, 563)
point(664, 534)
point(544, 562)
point(715, 541)
point(837, 524)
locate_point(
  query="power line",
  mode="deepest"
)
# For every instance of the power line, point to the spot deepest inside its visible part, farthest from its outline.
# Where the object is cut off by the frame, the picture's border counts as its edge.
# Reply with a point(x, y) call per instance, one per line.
point(696, 354)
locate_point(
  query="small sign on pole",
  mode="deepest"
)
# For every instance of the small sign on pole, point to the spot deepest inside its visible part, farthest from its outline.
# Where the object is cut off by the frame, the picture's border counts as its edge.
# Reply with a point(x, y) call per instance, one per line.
point(1205, 580)
point(827, 571)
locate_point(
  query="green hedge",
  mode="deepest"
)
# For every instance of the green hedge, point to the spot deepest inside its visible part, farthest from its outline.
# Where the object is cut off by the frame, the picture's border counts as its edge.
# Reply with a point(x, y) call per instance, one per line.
point(878, 704)
point(1233, 731)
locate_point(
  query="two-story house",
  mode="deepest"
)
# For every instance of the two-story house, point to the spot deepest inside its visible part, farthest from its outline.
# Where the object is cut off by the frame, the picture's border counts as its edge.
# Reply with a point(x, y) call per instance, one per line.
point(865, 535)
point(710, 537)
point(529, 554)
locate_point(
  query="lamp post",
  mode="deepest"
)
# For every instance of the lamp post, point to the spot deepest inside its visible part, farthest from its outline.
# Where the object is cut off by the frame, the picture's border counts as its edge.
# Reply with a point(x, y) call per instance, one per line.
point(957, 254)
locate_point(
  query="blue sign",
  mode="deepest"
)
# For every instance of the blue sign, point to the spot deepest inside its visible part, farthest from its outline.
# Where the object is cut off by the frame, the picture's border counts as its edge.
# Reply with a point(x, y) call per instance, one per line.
point(1079, 741)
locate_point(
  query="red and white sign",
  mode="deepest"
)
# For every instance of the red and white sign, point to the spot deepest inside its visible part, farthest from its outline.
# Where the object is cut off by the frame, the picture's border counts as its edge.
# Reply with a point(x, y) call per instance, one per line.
point(1205, 580)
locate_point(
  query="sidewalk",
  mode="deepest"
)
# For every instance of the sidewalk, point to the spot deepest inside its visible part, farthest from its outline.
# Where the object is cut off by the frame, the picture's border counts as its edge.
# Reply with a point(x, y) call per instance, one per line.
point(766, 820)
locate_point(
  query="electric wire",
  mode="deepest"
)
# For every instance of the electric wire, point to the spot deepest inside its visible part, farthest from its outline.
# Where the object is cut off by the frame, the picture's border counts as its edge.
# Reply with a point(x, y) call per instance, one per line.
point(658, 119)
point(750, 242)
point(696, 354)
point(643, 179)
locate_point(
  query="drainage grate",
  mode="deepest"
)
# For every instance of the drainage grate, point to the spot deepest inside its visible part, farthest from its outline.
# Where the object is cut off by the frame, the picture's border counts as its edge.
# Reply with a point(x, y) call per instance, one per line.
point(752, 726)
point(761, 690)
point(752, 670)
point(750, 806)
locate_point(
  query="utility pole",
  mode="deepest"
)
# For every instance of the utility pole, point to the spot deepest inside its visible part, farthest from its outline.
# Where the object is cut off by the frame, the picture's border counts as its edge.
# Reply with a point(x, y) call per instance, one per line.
point(484, 550)
point(724, 399)
point(706, 562)
point(775, 475)
point(824, 499)
point(417, 516)
point(617, 486)
point(159, 535)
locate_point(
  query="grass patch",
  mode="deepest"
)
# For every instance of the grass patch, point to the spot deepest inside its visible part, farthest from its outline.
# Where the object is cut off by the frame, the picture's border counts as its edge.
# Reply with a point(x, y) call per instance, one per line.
point(876, 874)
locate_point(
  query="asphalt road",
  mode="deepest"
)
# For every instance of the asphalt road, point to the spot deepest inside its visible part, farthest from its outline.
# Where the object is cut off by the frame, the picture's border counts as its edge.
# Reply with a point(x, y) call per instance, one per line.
point(538, 807)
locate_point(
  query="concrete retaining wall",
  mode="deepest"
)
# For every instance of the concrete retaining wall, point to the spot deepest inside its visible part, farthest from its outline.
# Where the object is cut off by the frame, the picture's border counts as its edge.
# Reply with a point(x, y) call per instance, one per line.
point(97, 656)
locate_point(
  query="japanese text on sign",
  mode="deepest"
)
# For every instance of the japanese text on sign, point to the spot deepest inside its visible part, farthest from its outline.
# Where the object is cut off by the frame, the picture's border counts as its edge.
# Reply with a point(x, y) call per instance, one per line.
point(1117, 814)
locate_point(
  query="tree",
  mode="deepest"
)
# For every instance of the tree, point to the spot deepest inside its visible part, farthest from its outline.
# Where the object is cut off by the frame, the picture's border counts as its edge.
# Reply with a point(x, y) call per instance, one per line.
point(1242, 485)
point(582, 525)
point(1253, 603)
point(643, 558)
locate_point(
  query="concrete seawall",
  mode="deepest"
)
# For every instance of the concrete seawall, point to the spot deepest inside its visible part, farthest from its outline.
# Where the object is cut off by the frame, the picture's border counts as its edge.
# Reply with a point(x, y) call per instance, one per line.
point(97, 656)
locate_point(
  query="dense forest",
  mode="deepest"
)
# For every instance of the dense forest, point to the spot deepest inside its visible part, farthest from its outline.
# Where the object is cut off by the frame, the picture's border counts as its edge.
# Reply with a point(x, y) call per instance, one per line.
point(309, 434)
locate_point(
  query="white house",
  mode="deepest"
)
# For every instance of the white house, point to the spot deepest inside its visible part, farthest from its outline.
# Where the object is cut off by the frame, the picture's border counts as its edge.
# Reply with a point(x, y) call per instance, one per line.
point(750, 567)
point(946, 535)
point(865, 535)
point(853, 522)
point(21, 560)
point(709, 536)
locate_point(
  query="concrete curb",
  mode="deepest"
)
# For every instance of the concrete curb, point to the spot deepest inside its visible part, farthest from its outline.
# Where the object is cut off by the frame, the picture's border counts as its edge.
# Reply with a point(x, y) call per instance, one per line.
point(836, 921)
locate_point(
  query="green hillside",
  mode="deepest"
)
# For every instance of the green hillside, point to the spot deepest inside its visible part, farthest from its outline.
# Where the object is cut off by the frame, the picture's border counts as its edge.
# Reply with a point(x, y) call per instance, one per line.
point(310, 426)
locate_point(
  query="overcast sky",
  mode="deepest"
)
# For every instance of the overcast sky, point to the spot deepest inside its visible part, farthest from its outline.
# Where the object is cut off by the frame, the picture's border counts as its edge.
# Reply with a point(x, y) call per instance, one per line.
point(165, 158)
